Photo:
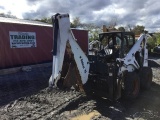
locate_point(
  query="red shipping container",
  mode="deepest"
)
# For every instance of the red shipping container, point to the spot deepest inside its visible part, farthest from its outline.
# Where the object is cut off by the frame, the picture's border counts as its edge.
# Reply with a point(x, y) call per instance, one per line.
point(11, 57)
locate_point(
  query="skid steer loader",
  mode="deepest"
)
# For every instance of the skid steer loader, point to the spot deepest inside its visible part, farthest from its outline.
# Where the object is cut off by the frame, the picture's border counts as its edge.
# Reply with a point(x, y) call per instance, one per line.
point(116, 65)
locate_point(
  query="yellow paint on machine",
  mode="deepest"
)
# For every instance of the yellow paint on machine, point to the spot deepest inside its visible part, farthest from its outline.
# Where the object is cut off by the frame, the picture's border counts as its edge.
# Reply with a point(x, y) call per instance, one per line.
point(87, 116)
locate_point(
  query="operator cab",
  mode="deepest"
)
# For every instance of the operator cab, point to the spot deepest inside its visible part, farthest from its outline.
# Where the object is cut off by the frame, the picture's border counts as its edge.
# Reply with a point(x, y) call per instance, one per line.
point(113, 44)
point(103, 66)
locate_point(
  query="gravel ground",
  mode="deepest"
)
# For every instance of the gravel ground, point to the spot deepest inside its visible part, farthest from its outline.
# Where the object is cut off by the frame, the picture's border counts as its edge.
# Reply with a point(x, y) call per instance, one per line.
point(24, 95)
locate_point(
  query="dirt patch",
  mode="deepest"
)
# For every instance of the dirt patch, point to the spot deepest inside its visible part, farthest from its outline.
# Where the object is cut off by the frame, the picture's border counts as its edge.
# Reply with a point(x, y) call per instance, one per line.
point(91, 115)
point(32, 100)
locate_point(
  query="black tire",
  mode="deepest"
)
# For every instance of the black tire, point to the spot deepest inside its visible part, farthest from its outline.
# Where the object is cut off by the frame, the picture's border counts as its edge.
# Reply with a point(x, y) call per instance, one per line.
point(131, 85)
point(145, 75)
point(88, 89)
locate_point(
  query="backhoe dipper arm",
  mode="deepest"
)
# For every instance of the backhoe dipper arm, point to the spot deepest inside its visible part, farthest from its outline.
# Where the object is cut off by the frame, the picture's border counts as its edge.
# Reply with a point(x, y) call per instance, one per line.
point(62, 35)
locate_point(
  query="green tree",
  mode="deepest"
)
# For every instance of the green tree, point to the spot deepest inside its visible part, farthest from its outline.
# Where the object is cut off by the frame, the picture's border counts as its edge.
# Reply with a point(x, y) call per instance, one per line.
point(93, 31)
point(129, 27)
point(76, 23)
point(138, 29)
point(9, 15)
point(157, 35)
point(122, 29)
point(45, 20)
point(151, 43)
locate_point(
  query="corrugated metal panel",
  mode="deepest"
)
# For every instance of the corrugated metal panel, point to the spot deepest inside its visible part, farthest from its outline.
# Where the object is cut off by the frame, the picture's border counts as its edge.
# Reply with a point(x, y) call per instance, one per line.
point(21, 21)
point(10, 57)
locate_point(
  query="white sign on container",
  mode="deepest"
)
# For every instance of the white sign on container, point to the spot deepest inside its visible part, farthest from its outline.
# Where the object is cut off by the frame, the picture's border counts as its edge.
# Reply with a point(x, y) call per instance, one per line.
point(22, 39)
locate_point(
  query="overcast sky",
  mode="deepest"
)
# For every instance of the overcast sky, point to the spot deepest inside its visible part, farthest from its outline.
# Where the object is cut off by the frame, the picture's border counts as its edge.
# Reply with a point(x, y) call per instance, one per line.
point(133, 12)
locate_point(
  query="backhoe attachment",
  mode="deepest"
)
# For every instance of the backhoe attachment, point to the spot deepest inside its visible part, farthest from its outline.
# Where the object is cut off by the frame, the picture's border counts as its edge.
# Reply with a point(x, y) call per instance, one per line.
point(70, 64)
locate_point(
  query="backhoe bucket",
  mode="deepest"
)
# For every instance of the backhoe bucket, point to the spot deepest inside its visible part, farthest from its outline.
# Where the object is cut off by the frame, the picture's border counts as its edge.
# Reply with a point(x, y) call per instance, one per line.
point(72, 78)
point(70, 73)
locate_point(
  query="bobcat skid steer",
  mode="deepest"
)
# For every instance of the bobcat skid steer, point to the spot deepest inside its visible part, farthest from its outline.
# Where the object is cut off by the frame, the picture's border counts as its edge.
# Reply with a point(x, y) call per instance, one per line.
point(115, 65)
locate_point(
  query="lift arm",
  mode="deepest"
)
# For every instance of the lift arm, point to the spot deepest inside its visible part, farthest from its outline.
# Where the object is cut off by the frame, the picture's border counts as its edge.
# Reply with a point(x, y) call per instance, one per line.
point(130, 62)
